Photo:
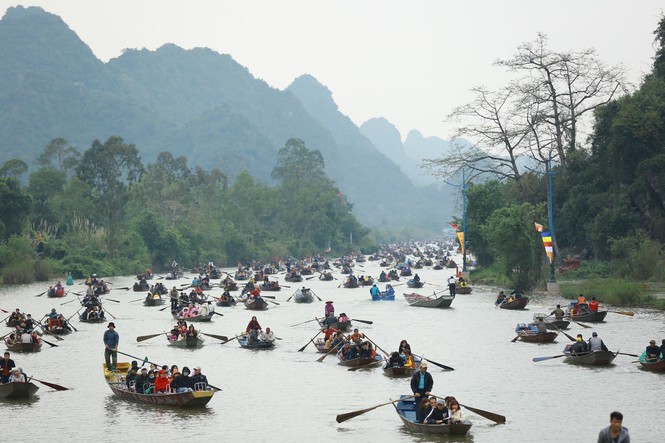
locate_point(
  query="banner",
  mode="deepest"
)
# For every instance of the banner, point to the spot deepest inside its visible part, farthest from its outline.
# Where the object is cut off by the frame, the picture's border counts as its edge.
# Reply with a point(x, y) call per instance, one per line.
point(454, 225)
point(547, 242)
point(460, 237)
point(539, 227)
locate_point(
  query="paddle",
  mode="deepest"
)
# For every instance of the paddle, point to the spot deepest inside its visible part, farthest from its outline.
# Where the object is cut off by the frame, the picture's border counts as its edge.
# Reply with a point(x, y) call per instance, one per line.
point(310, 341)
point(223, 338)
point(125, 288)
point(496, 418)
point(112, 316)
point(6, 312)
point(309, 278)
point(537, 359)
point(316, 295)
point(51, 385)
point(62, 304)
point(363, 321)
point(368, 365)
point(298, 324)
point(268, 296)
point(74, 315)
point(49, 332)
point(138, 299)
point(571, 338)
point(273, 302)
point(349, 415)
point(286, 286)
point(39, 295)
point(49, 343)
point(630, 313)
point(581, 324)
point(630, 355)
point(442, 366)
point(515, 339)
point(320, 359)
point(217, 313)
point(141, 338)
point(291, 296)
point(231, 339)
point(114, 301)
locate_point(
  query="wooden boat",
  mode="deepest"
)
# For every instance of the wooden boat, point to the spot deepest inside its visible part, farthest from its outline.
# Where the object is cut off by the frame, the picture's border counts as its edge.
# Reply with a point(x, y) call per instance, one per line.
point(154, 300)
point(465, 289)
point(138, 287)
point(242, 339)
point(405, 272)
point(24, 347)
point(518, 303)
point(343, 326)
point(440, 301)
point(230, 286)
point(387, 295)
point(122, 370)
point(303, 297)
point(256, 304)
point(406, 409)
point(530, 336)
point(94, 318)
point(594, 358)
point(590, 317)
point(241, 275)
point(351, 283)
point(411, 283)
point(184, 342)
point(402, 371)
point(359, 362)
point(366, 281)
point(653, 366)
point(294, 277)
point(272, 286)
point(180, 400)
point(556, 324)
point(12, 323)
point(229, 301)
point(215, 274)
point(56, 293)
point(173, 275)
point(18, 389)
point(198, 318)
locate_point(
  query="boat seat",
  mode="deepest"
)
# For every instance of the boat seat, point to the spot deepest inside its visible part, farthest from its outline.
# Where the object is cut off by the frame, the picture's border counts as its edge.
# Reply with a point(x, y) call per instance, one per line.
point(200, 386)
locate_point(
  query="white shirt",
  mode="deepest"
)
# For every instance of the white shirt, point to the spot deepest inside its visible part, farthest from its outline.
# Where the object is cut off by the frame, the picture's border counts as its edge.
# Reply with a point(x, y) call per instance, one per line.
point(267, 336)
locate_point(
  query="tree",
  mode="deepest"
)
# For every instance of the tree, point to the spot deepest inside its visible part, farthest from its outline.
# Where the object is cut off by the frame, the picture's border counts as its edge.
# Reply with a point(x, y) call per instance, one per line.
point(59, 155)
point(298, 166)
point(14, 207)
point(14, 168)
point(109, 169)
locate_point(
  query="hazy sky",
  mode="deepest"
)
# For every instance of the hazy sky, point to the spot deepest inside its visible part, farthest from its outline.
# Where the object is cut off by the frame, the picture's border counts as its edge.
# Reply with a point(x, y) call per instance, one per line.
point(409, 61)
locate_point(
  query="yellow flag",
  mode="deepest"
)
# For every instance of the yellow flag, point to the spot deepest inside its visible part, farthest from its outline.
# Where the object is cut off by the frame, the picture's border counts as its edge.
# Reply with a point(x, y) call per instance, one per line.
point(460, 237)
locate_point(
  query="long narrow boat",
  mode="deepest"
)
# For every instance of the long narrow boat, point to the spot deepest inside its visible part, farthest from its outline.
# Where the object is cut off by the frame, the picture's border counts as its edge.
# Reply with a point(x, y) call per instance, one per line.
point(180, 400)
point(56, 293)
point(183, 342)
point(530, 336)
point(423, 301)
point(518, 303)
point(406, 409)
point(594, 358)
point(256, 304)
point(25, 347)
point(653, 366)
point(590, 317)
point(154, 300)
point(359, 362)
point(198, 318)
point(242, 339)
point(17, 389)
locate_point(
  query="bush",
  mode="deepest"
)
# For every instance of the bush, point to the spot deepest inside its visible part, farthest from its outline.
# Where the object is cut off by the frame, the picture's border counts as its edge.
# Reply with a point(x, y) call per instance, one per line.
point(612, 291)
point(19, 273)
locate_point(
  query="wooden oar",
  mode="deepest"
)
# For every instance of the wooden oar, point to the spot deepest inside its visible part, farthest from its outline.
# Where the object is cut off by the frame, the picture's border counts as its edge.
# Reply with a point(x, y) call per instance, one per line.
point(6, 312)
point(320, 359)
point(570, 337)
point(298, 324)
point(316, 295)
point(285, 286)
point(441, 365)
point(363, 321)
point(231, 339)
point(496, 418)
point(537, 359)
point(578, 323)
point(515, 339)
point(218, 313)
point(51, 385)
point(630, 355)
point(74, 314)
point(368, 365)
point(268, 296)
point(39, 295)
point(292, 297)
point(49, 332)
point(110, 299)
point(273, 302)
point(62, 304)
point(141, 338)
point(310, 341)
point(309, 278)
point(349, 415)
point(112, 316)
point(125, 288)
point(138, 299)
point(223, 338)
point(49, 343)
point(630, 313)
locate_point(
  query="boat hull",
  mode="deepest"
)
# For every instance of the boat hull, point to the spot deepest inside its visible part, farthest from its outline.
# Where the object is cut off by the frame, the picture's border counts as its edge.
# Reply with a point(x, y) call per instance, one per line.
point(591, 317)
point(595, 358)
point(537, 337)
point(423, 301)
point(406, 410)
point(194, 399)
point(518, 303)
point(656, 366)
point(256, 305)
point(184, 343)
point(557, 324)
point(24, 347)
point(258, 345)
point(18, 390)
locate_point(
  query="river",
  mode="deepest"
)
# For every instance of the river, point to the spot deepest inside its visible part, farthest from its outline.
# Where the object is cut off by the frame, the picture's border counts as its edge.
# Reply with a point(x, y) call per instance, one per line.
point(283, 395)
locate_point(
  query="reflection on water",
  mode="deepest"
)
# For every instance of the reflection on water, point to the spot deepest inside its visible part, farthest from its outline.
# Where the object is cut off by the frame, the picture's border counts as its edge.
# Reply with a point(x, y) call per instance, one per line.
point(284, 395)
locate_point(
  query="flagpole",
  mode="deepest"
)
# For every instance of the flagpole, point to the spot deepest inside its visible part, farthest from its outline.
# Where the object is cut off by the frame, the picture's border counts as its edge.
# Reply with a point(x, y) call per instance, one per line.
point(464, 221)
point(551, 214)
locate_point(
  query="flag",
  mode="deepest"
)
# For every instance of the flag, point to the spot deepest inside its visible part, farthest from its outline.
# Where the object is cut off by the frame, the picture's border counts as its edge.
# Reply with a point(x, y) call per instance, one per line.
point(547, 242)
point(460, 237)
point(454, 225)
point(539, 227)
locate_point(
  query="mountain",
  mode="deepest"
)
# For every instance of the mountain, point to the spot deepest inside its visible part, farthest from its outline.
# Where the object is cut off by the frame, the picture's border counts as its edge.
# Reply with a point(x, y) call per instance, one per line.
point(195, 103)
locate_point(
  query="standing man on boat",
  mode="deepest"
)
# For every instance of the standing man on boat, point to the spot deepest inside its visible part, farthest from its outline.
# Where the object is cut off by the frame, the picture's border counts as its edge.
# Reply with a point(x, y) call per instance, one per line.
point(111, 340)
point(329, 309)
point(375, 291)
point(421, 386)
point(451, 285)
point(615, 432)
point(6, 366)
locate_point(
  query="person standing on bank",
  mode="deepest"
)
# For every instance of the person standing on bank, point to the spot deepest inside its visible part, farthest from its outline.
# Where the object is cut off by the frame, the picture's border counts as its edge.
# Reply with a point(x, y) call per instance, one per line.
point(614, 433)
point(111, 340)
point(421, 385)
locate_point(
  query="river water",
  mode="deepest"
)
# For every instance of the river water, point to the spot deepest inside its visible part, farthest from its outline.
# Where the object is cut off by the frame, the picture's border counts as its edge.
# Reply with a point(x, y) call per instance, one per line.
point(282, 395)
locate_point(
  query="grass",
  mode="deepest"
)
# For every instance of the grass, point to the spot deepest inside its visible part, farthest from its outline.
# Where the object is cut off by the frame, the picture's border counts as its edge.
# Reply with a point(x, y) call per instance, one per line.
point(614, 291)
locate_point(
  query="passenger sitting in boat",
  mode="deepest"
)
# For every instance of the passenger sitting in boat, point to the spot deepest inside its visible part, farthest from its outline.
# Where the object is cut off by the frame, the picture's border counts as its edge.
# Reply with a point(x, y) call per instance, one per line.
point(330, 320)
point(455, 412)
point(426, 406)
point(192, 333)
point(16, 315)
point(141, 381)
point(343, 318)
point(653, 351)
point(596, 344)
point(193, 311)
point(404, 345)
point(580, 346)
point(409, 362)
point(593, 305)
point(131, 376)
point(329, 332)
point(395, 361)
point(501, 298)
point(416, 278)
point(365, 350)
point(581, 299)
point(267, 335)
point(18, 376)
point(253, 324)
point(375, 291)
point(539, 324)
point(558, 313)
point(352, 353)
point(438, 415)
point(517, 293)
point(162, 384)
point(183, 382)
point(199, 378)
point(356, 336)
point(346, 348)
point(339, 338)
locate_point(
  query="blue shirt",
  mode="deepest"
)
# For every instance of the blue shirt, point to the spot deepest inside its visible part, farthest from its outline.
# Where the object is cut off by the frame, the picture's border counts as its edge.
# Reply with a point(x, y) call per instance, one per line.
point(111, 339)
point(421, 384)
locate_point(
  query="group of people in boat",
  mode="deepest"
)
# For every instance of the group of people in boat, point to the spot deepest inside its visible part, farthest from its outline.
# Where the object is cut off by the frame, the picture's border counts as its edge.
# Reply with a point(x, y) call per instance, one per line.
point(56, 321)
point(653, 352)
point(192, 310)
point(156, 380)
point(581, 347)
point(402, 358)
point(502, 298)
point(9, 372)
point(56, 290)
point(441, 411)
point(181, 331)
point(96, 285)
point(582, 307)
point(256, 334)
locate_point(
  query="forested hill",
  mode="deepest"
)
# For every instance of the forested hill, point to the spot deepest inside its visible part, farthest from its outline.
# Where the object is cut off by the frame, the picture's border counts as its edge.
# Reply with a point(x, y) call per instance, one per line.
point(194, 103)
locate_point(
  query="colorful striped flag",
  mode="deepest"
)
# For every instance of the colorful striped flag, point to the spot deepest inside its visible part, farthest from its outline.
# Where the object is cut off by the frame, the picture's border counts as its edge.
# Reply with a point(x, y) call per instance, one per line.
point(547, 242)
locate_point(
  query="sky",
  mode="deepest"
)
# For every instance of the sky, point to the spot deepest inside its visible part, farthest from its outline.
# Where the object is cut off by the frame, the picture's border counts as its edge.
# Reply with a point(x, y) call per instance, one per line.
point(411, 62)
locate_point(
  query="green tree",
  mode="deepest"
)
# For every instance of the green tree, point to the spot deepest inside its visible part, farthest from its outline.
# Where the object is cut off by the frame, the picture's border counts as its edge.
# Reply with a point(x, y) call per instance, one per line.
point(60, 155)
point(14, 168)
point(15, 207)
